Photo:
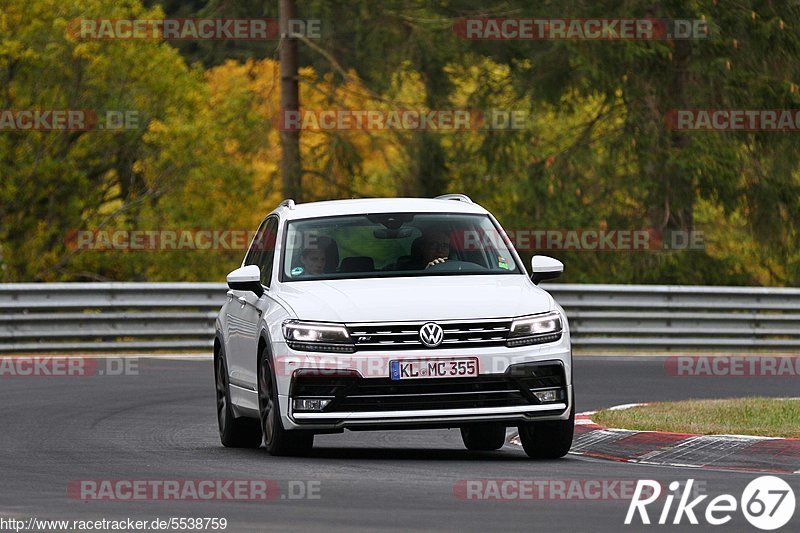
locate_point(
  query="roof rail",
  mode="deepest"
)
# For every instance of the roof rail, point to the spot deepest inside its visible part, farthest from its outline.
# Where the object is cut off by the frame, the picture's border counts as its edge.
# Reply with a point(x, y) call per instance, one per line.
point(459, 197)
point(288, 203)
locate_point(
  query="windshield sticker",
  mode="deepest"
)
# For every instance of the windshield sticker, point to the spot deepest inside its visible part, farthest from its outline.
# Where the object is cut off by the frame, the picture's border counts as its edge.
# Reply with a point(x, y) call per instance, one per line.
point(296, 271)
point(502, 262)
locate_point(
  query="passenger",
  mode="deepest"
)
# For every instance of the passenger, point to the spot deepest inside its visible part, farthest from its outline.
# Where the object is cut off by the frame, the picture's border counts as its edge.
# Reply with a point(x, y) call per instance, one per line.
point(313, 260)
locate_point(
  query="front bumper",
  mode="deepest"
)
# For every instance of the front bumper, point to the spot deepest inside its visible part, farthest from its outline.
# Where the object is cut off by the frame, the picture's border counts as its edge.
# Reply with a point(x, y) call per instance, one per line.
point(434, 418)
point(371, 400)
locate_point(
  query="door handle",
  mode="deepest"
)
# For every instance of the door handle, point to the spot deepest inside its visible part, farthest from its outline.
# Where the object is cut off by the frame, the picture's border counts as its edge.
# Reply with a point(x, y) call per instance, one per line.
point(242, 300)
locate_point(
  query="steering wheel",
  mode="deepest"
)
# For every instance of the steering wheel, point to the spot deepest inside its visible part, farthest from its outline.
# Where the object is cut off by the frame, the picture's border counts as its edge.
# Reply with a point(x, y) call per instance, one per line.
point(454, 265)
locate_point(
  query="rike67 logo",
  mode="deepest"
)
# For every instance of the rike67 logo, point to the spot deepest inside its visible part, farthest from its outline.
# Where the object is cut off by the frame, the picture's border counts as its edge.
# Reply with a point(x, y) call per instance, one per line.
point(768, 503)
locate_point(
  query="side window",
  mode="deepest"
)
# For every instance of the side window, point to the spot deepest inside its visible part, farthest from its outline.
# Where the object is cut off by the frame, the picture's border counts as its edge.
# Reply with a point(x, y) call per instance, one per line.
point(269, 238)
point(254, 253)
point(262, 251)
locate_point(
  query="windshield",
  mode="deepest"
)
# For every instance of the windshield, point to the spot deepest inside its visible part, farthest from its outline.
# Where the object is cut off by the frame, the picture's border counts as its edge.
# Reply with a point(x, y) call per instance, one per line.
point(394, 244)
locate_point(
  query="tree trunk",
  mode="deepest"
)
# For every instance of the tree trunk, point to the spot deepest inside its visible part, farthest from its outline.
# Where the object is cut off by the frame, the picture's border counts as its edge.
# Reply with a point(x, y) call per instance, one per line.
point(290, 102)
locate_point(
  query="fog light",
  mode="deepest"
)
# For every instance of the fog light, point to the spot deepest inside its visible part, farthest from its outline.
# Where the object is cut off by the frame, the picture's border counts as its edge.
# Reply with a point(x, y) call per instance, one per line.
point(548, 395)
point(310, 404)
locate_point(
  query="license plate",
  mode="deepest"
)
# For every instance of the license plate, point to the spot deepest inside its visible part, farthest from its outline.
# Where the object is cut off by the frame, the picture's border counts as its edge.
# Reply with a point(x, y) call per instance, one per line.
point(434, 368)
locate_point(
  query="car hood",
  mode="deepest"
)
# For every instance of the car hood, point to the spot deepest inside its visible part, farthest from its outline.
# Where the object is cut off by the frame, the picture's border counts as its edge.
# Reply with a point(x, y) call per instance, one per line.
point(415, 298)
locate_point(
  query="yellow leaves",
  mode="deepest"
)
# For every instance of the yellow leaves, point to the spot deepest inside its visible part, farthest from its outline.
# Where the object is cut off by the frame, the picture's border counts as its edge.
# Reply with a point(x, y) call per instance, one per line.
point(228, 76)
point(470, 79)
point(230, 146)
point(114, 192)
point(265, 82)
point(728, 236)
point(156, 127)
point(239, 117)
point(84, 50)
point(407, 86)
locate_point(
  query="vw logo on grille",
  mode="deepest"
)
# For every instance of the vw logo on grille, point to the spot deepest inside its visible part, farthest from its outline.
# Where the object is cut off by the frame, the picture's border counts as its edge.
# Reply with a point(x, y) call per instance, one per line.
point(431, 334)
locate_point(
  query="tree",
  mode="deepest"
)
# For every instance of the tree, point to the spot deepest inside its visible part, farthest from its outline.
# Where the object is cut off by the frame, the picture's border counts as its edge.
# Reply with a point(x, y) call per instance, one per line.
point(55, 182)
point(291, 164)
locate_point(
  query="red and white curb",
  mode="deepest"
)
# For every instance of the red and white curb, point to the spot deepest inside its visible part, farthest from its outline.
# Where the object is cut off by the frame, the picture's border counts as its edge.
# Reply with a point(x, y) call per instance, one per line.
point(723, 452)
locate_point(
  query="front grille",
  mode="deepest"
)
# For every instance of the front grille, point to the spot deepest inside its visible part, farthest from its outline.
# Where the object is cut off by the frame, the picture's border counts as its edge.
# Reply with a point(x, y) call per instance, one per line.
point(405, 335)
point(356, 394)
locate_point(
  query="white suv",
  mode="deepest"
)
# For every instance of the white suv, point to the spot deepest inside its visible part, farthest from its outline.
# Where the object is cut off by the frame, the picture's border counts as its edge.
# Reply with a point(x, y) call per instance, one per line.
point(397, 313)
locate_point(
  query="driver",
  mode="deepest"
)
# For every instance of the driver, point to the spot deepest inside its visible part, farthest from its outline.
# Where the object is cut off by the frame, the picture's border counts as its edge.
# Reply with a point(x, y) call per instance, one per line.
point(435, 248)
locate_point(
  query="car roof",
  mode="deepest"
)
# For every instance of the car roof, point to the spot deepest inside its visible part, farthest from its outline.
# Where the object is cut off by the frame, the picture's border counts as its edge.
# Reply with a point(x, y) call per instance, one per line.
point(377, 205)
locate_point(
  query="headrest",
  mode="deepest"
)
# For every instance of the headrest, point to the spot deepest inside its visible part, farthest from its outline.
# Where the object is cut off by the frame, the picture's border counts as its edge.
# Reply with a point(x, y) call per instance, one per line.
point(357, 264)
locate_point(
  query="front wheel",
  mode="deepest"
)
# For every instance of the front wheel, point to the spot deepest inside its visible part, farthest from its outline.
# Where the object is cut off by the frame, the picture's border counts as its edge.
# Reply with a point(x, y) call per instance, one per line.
point(550, 439)
point(278, 440)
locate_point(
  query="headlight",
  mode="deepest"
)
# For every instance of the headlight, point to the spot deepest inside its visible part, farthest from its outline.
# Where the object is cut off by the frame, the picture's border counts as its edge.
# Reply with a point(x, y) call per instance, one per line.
point(536, 329)
point(317, 337)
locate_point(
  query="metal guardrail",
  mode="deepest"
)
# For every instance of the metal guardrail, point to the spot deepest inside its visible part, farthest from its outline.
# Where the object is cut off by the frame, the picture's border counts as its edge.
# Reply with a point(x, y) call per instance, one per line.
point(681, 318)
point(88, 317)
point(38, 317)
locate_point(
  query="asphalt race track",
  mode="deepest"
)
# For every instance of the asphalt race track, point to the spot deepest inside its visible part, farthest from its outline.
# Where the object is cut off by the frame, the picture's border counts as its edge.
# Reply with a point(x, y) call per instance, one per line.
point(160, 425)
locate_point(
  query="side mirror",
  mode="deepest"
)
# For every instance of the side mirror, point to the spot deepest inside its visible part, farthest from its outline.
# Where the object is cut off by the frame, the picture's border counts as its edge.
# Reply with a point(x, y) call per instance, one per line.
point(247, 278)
point(544, 267)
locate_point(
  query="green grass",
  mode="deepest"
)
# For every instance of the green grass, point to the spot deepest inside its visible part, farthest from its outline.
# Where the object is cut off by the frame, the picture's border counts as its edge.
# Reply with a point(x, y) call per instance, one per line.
point(741, 416)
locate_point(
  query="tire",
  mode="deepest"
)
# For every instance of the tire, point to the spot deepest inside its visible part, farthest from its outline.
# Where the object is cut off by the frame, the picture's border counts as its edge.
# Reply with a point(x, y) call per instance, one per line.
point(483, 437)
point(233, 432)
point(278, 440)
point(551, 439)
